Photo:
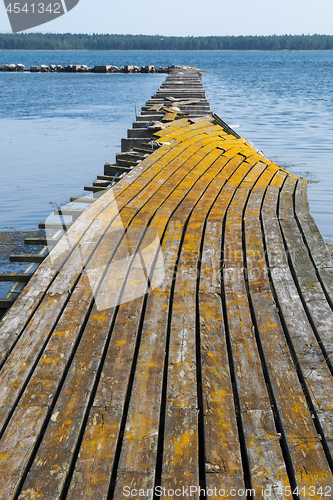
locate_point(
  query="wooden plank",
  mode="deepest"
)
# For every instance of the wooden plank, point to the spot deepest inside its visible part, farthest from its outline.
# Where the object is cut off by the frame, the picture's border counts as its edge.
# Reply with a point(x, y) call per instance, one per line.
point(173, 110)
point(156, 107)
point(156, 310)
point(306, 276)
point(70, 314)
point(85, 227)
point(116, 170)
point(187, 102)
point(169, 117)
point(138, 420)
point(102, 183)
point(16, 277)
point(27, 258)
point(182, 124)
point(291, 407)
point(185, 132)
point(41, 241)
point(56, 225)
point(311, 366)
point(6, 303)
point(73, 213)
point(311, 293)
point(265, 458)
point(181, 461)
point(223, 455)
point(95, 189)
point(319, 252)
point(113, 177)
point(143, 417)
point(76, 262)
point(223, 461)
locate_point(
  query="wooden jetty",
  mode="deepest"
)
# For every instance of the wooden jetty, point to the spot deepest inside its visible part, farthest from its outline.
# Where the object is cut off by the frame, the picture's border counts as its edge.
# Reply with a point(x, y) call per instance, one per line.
point(180, 334)
point(83, 68)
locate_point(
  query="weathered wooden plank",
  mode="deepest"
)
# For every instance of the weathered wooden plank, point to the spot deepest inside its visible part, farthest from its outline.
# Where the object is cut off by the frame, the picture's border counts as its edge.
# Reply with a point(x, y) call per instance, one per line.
point(27, 258)
point(6, 303)
point(169, 117)
point(319, 252)
point(13, 327)
point(94, 189)
point(181, 391)
point(80, 381)
point(167, 189)
point(114, 170)
point(186, 102)
point(173, 110)
point(41, 241)
point(16, 277)
point(266, 462)
point(311, 293)
point(304, 445)
point(156, 107)
point(305, 274)
point(311, 365)
point(157, 313)
point(181, 125)
point(223, 456)
point(143, 417)
point(181, 451)
point(71, 212)
point(56, 225)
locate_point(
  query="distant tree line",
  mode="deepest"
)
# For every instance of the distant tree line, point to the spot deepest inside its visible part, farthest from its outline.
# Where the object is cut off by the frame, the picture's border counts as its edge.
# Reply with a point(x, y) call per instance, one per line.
point(68, 41)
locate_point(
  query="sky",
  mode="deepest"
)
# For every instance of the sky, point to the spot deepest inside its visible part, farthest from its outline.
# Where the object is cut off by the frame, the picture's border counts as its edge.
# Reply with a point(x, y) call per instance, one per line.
point(191, 18)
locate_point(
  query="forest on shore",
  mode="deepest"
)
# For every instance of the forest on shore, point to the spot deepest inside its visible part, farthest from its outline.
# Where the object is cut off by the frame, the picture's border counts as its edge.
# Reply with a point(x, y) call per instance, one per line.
point(68, 41)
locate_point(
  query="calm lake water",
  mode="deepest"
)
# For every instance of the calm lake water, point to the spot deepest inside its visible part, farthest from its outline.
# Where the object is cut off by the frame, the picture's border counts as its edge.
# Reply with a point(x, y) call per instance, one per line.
point(58, 130)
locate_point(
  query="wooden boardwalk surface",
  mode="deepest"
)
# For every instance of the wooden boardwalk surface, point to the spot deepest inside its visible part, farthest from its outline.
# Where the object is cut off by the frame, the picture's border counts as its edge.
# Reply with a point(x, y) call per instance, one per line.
point(179, 335)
